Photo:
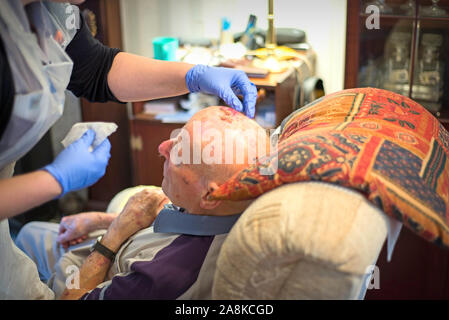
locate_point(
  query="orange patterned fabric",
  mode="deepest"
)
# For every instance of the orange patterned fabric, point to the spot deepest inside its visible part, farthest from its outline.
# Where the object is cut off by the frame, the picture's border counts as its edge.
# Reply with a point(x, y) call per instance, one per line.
point(378, 142)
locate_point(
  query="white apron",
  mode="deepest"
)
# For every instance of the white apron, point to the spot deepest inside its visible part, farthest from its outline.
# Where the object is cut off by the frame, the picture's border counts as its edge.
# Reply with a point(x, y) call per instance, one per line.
point(41, 72)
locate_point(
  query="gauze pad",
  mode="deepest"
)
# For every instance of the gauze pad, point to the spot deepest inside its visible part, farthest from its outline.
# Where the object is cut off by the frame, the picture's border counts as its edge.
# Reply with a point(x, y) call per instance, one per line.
point(102, 131)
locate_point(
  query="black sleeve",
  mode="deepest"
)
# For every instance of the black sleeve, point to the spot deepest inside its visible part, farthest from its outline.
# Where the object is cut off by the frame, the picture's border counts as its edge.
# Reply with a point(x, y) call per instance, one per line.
point(7, 90)
point(91, 64)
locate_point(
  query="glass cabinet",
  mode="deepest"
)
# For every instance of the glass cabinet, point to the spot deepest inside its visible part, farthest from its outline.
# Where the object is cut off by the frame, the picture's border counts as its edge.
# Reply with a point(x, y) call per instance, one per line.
point(405, 50)
point(402, 46)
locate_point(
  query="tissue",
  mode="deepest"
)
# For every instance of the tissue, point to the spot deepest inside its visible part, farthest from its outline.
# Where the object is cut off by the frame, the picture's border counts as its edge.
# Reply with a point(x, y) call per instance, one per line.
point(102, 131)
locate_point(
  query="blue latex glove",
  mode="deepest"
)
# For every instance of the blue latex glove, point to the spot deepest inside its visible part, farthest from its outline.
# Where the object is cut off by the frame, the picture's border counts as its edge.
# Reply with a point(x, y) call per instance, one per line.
point(225, 83)
point(76, 167)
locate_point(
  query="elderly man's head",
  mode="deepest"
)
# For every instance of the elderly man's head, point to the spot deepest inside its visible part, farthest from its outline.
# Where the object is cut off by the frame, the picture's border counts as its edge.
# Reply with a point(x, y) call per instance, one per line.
point(215, 143)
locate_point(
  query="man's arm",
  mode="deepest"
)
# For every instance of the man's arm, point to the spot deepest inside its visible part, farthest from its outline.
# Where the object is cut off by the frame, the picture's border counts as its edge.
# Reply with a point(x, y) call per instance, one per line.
point(139, 213)
point(94, 269)
point(167, 275)
point(75, 228)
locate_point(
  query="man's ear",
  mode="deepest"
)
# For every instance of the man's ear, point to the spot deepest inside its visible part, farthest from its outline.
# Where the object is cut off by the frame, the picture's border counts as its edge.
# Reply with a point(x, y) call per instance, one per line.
point(205, 203)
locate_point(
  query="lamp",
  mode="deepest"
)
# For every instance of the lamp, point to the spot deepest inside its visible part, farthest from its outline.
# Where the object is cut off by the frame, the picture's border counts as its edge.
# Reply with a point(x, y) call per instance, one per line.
point(270, 57)
point(270, 40)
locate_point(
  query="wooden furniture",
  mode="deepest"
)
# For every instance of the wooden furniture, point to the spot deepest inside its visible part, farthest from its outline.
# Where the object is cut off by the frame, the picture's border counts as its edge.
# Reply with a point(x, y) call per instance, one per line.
point(282, 85)
point(367, 48)
point(419, 269)
point(146, 135)
point(106, 23)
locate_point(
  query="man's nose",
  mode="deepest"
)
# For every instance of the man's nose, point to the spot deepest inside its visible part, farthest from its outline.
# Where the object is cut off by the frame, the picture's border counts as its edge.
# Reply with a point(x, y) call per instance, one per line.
point(165, 147)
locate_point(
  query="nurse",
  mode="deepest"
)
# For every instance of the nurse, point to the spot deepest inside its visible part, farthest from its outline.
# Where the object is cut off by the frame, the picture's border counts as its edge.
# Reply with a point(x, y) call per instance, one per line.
point(46, 48)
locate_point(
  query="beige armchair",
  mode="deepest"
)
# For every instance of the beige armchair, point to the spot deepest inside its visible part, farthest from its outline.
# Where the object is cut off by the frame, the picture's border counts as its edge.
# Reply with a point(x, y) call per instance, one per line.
point(306, 240)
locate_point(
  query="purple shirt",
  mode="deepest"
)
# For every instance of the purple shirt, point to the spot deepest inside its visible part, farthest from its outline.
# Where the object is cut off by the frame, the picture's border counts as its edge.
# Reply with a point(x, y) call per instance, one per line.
point(166, 260)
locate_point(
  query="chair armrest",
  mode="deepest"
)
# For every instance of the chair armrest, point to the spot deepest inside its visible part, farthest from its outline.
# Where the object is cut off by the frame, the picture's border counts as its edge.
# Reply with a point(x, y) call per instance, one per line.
point(307, 240)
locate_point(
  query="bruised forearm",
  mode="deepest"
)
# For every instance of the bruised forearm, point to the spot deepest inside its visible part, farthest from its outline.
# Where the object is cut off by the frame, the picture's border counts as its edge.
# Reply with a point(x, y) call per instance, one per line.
point(94, 269)
point(104, 220)
point(92, 273)
point(137, 78)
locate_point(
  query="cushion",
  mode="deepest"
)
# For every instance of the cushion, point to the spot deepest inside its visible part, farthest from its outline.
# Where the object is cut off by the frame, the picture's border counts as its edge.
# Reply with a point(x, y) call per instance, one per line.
point(290, 244)
point(377, 142)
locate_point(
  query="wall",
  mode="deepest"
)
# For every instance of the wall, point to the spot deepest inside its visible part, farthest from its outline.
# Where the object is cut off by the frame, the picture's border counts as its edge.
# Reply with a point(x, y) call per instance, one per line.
point(324, 22)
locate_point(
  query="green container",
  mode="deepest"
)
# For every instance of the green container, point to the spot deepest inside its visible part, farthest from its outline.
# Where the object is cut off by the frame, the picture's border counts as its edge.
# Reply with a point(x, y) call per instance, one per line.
point(165, 48)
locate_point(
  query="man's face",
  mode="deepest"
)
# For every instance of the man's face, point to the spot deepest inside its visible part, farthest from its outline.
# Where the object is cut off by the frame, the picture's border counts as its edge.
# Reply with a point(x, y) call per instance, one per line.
point(180, 182)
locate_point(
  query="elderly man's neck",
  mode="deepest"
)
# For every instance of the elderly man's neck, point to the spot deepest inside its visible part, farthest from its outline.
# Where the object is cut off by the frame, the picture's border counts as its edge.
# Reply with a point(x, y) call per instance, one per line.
point(226, 208)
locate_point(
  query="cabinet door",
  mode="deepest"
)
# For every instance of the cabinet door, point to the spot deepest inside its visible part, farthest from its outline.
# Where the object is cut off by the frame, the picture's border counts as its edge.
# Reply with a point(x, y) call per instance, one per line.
point(118, 171)
point(382, 46)
point(146, 135)
point(430, 85)
point(401, 46)
point(103, 19)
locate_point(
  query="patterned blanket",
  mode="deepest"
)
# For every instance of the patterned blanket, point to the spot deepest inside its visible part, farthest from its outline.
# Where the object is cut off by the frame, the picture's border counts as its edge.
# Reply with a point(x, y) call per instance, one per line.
point(378, 142)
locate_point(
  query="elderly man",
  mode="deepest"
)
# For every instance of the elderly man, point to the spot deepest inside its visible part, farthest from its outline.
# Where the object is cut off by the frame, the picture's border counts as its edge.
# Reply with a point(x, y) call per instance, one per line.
point(175, 256)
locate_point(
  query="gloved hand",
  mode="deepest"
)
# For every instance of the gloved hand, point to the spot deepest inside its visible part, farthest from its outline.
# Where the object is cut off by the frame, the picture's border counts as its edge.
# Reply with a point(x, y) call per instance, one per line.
point(225, 83)
point(76, 167)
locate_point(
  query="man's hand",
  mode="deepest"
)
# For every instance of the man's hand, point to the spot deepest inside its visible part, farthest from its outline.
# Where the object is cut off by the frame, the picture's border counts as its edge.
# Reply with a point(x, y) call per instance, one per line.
point(75, 228)
point(139, 213)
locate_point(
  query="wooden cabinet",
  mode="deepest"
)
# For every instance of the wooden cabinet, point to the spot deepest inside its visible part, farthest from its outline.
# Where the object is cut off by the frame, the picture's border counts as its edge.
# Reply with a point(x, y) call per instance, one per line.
point(104, 20)
point(146, 135)
point(402, 47)
point(393, 56)
point(282, 86)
